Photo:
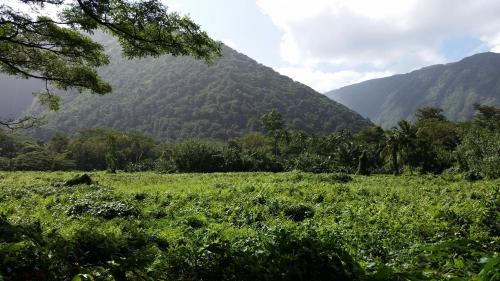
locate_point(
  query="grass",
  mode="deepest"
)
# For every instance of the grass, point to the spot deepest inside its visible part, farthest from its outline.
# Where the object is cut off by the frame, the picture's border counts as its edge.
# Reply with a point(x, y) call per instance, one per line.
point(400, 228)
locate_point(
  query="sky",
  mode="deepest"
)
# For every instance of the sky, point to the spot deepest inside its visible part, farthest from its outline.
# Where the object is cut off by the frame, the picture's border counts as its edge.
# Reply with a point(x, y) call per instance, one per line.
point(328, 44)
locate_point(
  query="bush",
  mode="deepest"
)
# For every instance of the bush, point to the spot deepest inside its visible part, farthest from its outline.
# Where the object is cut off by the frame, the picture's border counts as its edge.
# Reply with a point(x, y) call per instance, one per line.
point(142, 166)
point(336, 178)
point(106, 210)
point(200, 156)
point(299, 212)
point(29, 254)
point(77, 180)
point(196, 156)
point(313, 163)
point(288, 254)
point(102, 204)
point(472, 176)
point(491, 270)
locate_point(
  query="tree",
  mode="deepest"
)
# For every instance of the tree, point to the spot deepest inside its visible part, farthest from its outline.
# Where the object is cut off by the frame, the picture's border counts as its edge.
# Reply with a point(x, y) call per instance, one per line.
point(57, 50)
point(274, 126)
point(372, 141)
point(111, 154)
point(487, 117)
point(435, 145)
point(429, 113)
point(363, 164)
point(59, 143)
point(479, 152)
point(407, 137)
point(401, 141)
point(393, 146)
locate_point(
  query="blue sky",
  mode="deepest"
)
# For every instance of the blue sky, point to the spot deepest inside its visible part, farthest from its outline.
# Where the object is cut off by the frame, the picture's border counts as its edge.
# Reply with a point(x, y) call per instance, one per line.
point(328, 44)
point(238, 23)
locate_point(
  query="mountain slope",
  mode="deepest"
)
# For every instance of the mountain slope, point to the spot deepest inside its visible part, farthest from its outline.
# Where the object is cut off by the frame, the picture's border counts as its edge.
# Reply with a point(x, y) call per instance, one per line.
point(454, 87)
point(179, 97)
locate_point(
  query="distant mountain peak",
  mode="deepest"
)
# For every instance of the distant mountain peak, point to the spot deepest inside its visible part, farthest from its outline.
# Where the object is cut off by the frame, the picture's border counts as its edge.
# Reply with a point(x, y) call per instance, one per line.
point(454, 87)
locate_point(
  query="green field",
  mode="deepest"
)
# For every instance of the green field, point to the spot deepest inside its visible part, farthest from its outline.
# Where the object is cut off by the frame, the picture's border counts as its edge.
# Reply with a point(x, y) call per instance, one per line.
point(248, 226)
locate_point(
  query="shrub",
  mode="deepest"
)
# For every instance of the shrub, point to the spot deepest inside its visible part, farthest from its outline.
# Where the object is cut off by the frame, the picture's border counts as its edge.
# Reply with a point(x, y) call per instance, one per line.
point(110, 210)
point(336, 178)
point(299, 212)
point(102, 204)
point(200, 156)
point(195, 222)
point(491, 270)
point(142, 166)
point(263, 162)
point(77, 180)
point(472, 176)
point(313, 163)
point(288, 254)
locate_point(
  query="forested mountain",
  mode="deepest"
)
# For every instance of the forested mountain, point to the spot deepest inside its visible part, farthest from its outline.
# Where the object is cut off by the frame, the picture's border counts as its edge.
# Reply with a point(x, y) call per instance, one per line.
point(454, 87)
point(178, 97)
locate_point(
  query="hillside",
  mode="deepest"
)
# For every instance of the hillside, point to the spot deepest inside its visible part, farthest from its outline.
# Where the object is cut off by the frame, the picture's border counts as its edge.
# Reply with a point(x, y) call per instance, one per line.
point(454, 87)
point(178, 97)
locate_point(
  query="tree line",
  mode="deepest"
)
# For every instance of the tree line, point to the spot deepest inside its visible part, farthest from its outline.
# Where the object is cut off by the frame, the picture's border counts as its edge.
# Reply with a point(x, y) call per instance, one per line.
point(430, 144)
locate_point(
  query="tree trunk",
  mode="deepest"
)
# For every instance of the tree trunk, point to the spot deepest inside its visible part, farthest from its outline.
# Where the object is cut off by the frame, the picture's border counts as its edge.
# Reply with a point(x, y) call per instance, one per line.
point(394, 158)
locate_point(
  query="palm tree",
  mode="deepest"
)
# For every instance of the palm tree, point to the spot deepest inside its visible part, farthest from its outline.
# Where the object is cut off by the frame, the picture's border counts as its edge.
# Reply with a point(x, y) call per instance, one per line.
point(407, 138)
point(400, 143)
point(392, 146)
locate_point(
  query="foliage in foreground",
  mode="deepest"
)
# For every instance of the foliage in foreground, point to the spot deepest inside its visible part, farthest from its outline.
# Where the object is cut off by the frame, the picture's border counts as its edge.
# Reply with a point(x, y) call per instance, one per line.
point(288, 226)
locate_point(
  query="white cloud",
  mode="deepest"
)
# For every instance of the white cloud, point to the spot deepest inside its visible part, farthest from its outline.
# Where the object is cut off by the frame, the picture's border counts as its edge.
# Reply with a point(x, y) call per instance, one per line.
point(493, 42)
point(326, 81)
point(230, 43)
point(377, 32)
point(390, 35)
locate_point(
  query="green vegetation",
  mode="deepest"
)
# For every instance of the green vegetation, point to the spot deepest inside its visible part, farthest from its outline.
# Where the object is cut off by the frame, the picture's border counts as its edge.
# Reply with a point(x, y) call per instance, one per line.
point(431, 145)
point(55, 50)
point(175, 98)
point(454, 87)
point(247, 226)
point(437, 220)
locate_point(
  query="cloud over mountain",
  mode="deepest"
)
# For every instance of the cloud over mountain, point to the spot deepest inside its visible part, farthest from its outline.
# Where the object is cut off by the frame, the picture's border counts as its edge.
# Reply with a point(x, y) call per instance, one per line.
point(378, 37)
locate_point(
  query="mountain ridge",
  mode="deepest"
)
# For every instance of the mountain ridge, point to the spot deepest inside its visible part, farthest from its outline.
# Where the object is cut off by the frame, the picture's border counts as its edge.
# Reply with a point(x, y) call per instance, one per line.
point(173, 98)
point(454, 87)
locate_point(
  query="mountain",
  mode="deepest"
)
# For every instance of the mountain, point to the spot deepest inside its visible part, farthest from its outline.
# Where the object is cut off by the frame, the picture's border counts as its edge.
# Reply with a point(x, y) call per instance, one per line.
point(173, 98)
point(454, 87)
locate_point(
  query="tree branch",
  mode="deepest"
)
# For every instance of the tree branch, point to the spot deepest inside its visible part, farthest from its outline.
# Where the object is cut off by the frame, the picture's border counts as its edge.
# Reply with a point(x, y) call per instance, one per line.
point(26, 122)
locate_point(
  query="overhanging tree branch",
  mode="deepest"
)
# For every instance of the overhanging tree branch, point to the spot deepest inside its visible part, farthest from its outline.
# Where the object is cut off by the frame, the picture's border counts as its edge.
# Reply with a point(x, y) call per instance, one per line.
point(56, 50)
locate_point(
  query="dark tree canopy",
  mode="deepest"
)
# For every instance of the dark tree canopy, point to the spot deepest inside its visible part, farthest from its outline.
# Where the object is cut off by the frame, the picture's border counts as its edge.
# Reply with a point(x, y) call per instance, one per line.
point(487, 117)
point(429, 113)
point(272, 122)
point(60, 52)
point(274, 125)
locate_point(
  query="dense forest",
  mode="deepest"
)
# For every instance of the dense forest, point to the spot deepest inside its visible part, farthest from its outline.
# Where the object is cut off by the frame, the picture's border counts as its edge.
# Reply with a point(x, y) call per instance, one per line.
point(174, 157)
point(174, 98)
point(432, 144)
point(454, 87)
